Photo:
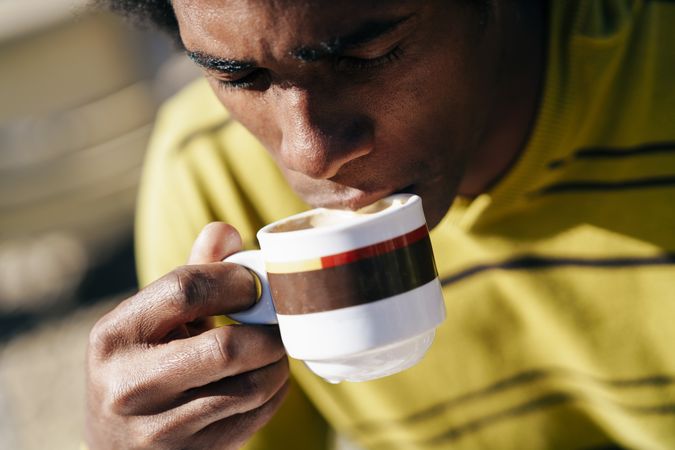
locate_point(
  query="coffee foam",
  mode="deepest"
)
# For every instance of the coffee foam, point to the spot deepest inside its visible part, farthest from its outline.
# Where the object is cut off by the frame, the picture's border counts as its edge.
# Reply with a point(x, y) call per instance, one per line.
point(324, 217)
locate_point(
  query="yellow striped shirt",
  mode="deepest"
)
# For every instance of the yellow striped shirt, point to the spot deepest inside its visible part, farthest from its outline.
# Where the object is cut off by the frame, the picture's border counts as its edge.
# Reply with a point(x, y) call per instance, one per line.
point(559, 283)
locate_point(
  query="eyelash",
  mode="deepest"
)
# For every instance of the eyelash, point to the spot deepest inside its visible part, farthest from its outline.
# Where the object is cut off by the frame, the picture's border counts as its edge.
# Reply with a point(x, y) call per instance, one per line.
point(346, 63)
point(351, 63)
point(243, 83)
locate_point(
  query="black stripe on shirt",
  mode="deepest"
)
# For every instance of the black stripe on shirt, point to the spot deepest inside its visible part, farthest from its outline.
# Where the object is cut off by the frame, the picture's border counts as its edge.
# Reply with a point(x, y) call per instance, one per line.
point(528, 262)
point(606, 447)
point(538, 404)
point(651, 148)
point(524, 378)
point(583, 186)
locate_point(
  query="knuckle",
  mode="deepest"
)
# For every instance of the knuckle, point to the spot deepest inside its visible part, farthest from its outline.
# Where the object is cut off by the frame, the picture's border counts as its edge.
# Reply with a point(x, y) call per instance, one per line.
point(98, 340)
point(249, 384)
point(213, 407)
point(224, 350)
point(260, 395)
point(104, 338)
point(160, 432)
point(190, 287)
point(127, 398)
point(150, 435)
point(256, 388)
point(120, 399)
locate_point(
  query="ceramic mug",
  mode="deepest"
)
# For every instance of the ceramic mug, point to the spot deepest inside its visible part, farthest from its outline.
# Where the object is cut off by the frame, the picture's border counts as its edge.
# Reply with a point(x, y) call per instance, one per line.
point(356, 294)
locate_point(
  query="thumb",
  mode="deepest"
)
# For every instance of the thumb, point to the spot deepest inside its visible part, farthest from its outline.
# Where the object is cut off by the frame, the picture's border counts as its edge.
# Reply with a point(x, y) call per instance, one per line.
point(216, 241)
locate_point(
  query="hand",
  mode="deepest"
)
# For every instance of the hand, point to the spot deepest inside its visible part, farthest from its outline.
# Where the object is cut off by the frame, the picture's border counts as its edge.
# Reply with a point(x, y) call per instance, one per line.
point(157, 378)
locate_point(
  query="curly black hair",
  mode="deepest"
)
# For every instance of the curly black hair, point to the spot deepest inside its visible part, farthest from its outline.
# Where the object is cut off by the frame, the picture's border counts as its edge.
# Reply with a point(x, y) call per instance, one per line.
point(159, 14)
point(153, 13)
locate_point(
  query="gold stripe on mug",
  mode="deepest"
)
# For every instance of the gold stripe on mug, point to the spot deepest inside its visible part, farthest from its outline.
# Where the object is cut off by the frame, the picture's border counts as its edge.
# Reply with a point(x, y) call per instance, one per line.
point(293, 266)
point(362, 280)
point(349, 256)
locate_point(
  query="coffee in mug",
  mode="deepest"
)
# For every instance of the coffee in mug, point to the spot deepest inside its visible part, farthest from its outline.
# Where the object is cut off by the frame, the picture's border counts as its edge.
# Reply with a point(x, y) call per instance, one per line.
point(355, 293)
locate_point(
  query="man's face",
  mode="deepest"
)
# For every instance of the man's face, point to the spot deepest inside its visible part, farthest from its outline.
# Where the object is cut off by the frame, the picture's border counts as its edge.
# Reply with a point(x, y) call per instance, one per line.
point(354, 99)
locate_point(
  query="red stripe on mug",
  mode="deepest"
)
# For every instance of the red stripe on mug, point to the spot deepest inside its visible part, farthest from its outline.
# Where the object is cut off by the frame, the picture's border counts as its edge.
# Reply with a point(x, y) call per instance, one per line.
point(375, 249)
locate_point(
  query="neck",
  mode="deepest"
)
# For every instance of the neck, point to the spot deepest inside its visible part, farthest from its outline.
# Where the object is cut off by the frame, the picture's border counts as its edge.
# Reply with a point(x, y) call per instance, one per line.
point(516, 100)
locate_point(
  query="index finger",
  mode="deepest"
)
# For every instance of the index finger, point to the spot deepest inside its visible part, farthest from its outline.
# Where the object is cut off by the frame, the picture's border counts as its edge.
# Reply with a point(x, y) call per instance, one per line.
point(182, 296)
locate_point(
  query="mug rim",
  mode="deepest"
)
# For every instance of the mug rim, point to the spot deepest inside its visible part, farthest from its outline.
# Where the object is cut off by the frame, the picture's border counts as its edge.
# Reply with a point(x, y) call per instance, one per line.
point(410, 201)
point(313, 243)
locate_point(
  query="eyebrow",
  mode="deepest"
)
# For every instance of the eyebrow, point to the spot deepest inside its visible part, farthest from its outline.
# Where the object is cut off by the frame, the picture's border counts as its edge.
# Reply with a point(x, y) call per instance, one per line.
point(365, 33)
point(220, 64)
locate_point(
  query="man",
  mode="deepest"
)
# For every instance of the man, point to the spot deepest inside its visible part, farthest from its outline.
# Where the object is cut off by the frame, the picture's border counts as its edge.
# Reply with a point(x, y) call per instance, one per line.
point(541, 138)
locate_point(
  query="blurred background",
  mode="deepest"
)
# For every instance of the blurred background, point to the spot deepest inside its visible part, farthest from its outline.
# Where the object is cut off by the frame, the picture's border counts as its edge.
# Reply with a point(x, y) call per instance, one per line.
point(79, 90)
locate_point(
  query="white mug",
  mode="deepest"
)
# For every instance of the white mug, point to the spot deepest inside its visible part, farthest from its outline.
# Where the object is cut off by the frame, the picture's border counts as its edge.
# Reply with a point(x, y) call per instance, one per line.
point(356, 294)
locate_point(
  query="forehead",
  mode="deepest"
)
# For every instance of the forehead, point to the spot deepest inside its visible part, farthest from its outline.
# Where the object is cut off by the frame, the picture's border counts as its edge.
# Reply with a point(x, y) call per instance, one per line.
point(275, 26)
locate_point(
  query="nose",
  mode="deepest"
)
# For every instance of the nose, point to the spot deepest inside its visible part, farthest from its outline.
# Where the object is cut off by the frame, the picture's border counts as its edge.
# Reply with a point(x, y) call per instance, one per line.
point(319, 136)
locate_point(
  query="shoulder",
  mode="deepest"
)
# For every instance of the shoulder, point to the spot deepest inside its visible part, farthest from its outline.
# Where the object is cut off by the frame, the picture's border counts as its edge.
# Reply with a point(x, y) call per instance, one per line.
point(608, 19)
point(193, 111)
point(171, 208)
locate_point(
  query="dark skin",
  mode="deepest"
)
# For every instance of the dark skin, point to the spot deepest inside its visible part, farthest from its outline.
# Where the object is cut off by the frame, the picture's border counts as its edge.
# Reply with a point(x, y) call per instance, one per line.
point(354, 100)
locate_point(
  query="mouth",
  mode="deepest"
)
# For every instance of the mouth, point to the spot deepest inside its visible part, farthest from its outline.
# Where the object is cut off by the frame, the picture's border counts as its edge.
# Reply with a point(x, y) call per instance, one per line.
point(363, 199)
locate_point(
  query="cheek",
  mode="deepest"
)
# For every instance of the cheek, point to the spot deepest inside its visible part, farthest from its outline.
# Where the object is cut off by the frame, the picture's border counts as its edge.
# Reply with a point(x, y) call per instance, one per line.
point(419, 125)
point(443, 105)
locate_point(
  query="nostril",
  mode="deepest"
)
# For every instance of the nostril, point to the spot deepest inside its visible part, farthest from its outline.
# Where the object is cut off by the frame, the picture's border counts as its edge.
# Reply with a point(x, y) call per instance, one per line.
point(319, 154)
point(311, 160)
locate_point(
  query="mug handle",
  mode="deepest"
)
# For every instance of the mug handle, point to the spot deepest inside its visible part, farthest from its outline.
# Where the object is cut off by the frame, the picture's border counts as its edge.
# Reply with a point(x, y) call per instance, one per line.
point(263, 312)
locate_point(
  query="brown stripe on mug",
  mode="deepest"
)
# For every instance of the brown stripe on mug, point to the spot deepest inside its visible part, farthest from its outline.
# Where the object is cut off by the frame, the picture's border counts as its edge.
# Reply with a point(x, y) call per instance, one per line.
point(363, 281)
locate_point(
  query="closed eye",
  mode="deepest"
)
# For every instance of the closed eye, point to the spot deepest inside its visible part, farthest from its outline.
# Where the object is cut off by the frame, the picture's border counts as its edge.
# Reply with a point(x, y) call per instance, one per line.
point(350, 63)
point(256, 79)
